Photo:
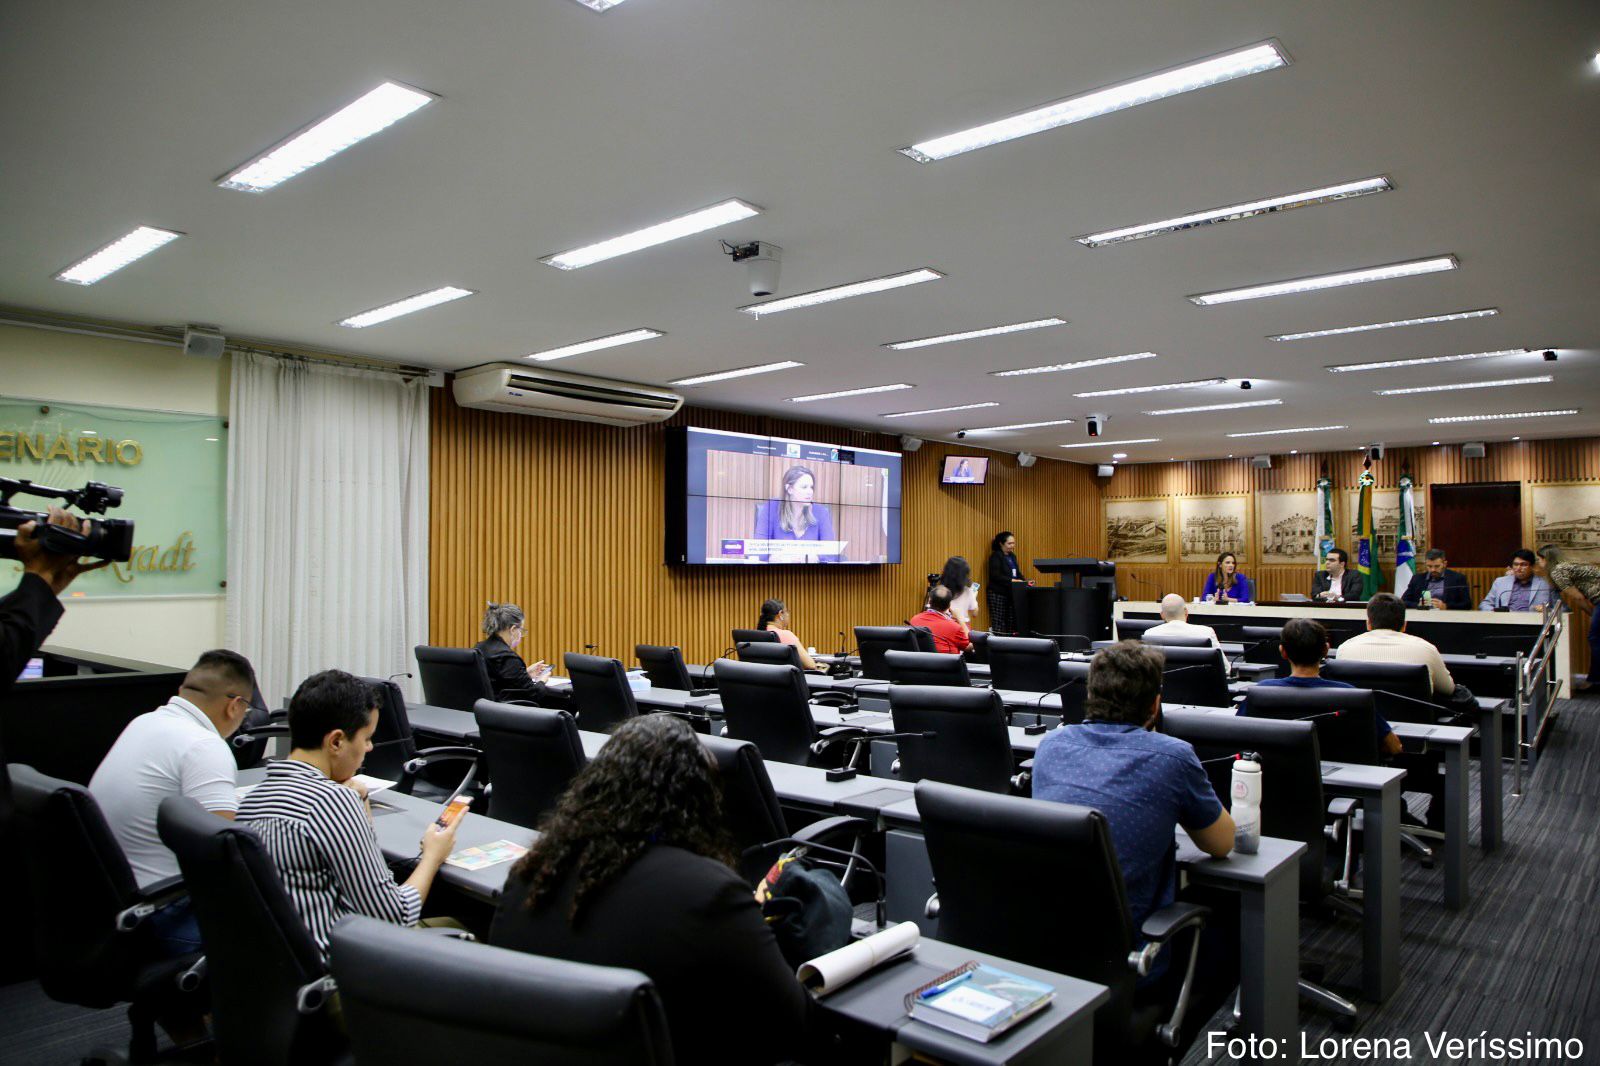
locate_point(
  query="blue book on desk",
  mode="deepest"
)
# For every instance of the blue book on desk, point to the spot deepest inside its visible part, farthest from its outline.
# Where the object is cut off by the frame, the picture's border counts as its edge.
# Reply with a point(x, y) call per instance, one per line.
point(977, 1001)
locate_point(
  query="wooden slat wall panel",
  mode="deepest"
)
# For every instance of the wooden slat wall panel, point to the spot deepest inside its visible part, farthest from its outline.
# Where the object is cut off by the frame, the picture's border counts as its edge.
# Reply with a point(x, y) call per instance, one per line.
point(567, 519)
point(1529, 462)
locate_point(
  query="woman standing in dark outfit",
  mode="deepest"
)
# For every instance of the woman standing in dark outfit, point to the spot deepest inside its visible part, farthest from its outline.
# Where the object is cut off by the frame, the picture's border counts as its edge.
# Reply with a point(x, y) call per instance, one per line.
point(1003, 571)
point(511, 678)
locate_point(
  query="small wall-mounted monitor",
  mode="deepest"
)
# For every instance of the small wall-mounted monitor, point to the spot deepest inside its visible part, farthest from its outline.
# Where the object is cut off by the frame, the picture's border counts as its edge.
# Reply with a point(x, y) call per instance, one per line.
point(965, 470)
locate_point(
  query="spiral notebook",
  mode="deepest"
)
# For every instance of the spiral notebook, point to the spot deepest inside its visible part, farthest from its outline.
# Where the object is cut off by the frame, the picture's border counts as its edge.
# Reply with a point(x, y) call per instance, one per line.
point(977, 1001)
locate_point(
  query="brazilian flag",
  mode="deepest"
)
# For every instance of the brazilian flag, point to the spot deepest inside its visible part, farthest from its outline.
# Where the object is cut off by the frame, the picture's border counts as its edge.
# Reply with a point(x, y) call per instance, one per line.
point(1367, 542)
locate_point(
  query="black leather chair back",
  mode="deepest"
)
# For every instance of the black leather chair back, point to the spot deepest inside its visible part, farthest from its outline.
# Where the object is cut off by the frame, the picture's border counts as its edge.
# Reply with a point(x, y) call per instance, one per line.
point(392, 741)
point(772, 653)
point(600, 692)
point(873, 641)
point(664, 666)
point(1175, 640)
point(259, 953)
point(1133, 628)
point(1074, 695)
point(535, 753)
point(972, 746)
point(453, 677)
point(978, 651)
point(1410, 680)
point(754, 636)
point(768, 706)
point(1344, 718)
point(749, 804)
point(413, 998)
point(1261, 646)
point(1197, 676)
point(981, 846)
point(1027, 664)
point(1293, 807)
point(77, 880)
point(926, 668)
point(252, 752)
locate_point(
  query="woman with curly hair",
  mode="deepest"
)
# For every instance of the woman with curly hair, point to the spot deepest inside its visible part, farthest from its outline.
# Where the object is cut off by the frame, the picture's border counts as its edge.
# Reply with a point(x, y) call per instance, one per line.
point(634, 868)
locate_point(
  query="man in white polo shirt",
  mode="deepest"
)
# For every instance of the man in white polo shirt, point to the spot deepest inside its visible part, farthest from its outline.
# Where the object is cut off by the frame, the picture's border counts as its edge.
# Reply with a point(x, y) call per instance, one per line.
point(180, 749)
point(1175, 622)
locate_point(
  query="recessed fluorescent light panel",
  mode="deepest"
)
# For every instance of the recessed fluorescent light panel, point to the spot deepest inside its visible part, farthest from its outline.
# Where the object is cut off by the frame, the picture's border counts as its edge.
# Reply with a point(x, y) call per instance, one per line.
point(992, 331)
point(742, 372)
point(1390, 364)
point(1387, 272)
point(596, 345)
point(1234, 212)
point(409, 305)
point(1022, 425)
point(1170, 387)
point(350, 125)
point(843, 292)
point(1114, 443)
point(118, 254)
point(1281, 432)
point(1081, 364)
point(1540, 380)
point(600, 5)
point(1428, 320)
point(1503, 417)
point(849, 392)
point(1214, 407)
point(943, 410)
point(1230, 65)
point(673, 228)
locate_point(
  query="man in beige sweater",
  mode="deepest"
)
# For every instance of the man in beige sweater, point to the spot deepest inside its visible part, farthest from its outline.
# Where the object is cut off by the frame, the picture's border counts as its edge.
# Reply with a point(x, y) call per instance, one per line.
point(1386, 641)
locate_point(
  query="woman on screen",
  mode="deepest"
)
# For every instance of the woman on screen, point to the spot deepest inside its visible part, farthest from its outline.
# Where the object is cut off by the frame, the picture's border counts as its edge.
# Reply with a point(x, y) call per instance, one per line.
point(792, 516)
point(775, 619)
point(1225, 584)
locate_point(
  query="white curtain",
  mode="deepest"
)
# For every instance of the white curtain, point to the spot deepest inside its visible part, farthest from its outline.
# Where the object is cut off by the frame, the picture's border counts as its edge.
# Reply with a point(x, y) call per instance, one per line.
point(327, 520)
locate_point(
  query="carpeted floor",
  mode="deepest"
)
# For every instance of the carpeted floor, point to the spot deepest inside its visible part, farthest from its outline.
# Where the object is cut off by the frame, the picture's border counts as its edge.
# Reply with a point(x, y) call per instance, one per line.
point(1523, 960)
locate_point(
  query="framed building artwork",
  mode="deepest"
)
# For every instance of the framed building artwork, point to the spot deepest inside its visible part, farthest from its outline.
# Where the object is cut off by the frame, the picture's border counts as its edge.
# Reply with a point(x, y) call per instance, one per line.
point(1211, 525)
point(1137, 530)
point(1286, 527)
point(1568, 516)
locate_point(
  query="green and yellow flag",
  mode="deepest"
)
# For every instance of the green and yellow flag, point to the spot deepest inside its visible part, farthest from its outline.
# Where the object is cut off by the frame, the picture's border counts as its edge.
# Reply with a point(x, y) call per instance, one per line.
point(1367, 541)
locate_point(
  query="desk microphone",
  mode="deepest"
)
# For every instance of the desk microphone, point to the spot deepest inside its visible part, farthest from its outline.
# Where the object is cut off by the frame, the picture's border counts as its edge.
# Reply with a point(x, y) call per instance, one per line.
point(1243, 655)
point(879, 908)
point(1039, 727)
point(402, 673)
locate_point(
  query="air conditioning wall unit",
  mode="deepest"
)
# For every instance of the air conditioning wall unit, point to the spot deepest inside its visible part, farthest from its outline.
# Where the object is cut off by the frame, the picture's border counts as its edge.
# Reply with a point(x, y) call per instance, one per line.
point(526, 390)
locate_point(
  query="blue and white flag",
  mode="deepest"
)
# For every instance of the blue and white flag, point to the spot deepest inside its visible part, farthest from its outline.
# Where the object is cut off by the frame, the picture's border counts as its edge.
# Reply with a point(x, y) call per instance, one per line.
point(1404, 551)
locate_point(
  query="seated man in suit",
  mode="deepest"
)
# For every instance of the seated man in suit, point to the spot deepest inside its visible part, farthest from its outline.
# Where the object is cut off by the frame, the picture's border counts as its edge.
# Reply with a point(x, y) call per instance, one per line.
point(1146, 783)
point(949, 635)
point(1520, 589)
point(1338, 582)
point(1386, 641)
point(1304, 643)
point(1175, 622)
point(180, 749)
point(1447, 590)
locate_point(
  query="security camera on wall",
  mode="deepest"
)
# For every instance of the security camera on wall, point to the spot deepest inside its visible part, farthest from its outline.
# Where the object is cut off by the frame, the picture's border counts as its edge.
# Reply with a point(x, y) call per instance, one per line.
point(1095, 423)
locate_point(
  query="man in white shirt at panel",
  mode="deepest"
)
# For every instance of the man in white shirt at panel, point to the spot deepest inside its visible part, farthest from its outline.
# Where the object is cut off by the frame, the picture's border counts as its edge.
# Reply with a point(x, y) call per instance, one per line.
point(180, 749)
point(1175, 622)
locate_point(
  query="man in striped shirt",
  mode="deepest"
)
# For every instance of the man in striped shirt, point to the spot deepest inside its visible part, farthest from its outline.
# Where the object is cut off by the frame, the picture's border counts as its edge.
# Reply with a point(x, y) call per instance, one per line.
point(316, 824)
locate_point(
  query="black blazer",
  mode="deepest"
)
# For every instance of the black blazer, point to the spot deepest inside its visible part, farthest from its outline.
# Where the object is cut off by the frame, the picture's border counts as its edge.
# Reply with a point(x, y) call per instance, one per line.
point(1000, 571)
point(508, 674)
point(1350, 586)
point(1457, 596)
point(27, 616)
point(689, 924)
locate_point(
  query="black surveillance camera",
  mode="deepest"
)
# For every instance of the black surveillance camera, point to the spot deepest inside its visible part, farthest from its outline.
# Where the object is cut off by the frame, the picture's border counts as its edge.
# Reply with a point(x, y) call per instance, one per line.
point(961, 434)
point(1245, 385)
point(1550, 356)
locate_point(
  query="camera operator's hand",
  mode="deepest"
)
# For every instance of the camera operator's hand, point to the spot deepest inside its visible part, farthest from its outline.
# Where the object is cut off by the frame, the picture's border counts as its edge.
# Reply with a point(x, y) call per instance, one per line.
point(58, 571)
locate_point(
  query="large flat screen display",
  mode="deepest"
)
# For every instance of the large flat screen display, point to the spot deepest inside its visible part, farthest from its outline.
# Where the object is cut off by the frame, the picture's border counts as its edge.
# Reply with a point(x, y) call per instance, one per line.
point(742, 499)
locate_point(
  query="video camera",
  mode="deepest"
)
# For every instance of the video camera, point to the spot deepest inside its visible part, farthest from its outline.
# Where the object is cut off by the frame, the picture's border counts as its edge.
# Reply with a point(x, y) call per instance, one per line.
point(105, 538)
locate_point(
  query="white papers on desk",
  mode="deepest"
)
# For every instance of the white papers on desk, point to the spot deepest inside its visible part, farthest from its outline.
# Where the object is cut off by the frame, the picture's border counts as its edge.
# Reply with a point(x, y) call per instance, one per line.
point(830, 972)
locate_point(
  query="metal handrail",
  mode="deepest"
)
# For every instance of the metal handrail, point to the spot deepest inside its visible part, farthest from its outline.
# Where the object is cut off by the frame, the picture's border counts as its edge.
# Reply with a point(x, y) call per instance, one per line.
point(1530, 672)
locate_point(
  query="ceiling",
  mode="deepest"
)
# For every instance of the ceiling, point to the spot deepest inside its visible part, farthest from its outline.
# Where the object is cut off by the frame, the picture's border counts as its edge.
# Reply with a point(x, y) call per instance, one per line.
point(558, 127)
